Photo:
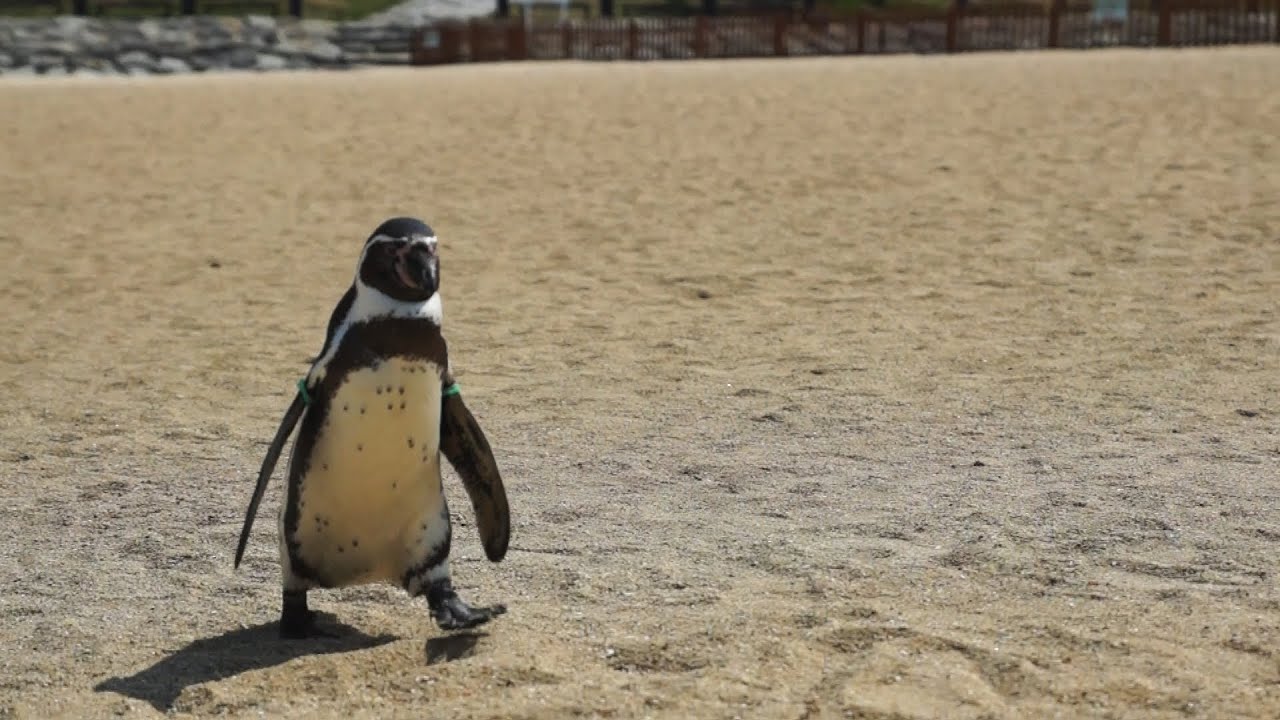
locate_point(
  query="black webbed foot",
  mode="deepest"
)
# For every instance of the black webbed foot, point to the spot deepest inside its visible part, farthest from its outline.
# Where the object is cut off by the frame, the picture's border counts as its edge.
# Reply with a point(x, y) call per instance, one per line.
point(452, 613)
point(297, 622)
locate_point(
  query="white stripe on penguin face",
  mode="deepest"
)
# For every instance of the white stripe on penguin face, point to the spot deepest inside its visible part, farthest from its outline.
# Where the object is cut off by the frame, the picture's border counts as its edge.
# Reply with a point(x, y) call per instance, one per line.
point(371, 303)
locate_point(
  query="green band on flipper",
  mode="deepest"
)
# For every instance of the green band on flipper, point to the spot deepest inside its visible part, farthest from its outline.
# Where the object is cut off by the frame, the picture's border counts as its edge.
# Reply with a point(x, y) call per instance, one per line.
point(453, 389)
point(302, 390)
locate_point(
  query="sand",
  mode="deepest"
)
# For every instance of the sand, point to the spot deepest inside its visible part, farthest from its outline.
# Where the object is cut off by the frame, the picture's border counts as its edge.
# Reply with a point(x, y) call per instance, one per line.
point(905, 387)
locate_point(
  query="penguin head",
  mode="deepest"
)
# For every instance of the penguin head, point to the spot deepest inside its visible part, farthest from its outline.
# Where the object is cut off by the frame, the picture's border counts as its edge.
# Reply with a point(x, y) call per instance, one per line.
point(400, 260)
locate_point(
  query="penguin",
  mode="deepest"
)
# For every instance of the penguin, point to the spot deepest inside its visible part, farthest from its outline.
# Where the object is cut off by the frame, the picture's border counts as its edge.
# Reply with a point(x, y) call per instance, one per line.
point(364, 501)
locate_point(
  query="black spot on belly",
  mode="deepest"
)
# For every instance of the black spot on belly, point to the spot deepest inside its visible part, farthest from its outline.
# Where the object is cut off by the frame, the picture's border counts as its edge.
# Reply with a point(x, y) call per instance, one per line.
point(378, 389)
point(355, 543)
point(401, 389)
point(401, 404)
point(359, 447)
point(361, 409)
point(388, 406)
point(340, 550)
point(324, 465)
point(410, 442)
point(344, 407)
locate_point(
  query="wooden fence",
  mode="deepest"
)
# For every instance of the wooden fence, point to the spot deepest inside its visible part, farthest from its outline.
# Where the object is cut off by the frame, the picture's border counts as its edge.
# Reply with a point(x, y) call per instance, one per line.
point(1013, 26)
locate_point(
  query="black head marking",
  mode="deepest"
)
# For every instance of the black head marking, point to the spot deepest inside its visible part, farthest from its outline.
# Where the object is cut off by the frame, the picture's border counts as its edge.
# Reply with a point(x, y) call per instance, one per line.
point(403, 227)
point(400, 260)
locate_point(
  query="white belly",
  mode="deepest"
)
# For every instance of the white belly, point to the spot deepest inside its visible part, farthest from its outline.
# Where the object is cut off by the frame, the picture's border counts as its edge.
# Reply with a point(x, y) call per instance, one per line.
point(371, 504)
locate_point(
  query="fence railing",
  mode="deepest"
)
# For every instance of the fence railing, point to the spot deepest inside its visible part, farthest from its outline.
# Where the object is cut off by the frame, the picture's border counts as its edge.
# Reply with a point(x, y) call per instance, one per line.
point(1012, 26)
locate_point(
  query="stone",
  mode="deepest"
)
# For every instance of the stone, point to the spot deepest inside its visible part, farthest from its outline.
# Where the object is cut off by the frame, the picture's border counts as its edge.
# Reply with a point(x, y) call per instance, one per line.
point(71, 25)
point(261, 23)
point(185, 44)
point(149, 29)
point(43, 61)
point(242, 58)
point(95, 64)
point(169, 65)
point(317, 28)
point(135, 58)
point(95, 40)
point(267, 61)
point(324, 52)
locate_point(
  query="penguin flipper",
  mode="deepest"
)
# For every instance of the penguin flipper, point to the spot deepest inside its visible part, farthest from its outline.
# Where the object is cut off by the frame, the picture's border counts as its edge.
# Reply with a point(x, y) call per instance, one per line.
point(287, 423)
point(463, 443)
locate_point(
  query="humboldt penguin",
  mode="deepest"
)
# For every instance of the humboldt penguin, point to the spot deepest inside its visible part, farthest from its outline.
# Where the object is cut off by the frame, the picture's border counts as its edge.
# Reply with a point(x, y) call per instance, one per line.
point(364, 500)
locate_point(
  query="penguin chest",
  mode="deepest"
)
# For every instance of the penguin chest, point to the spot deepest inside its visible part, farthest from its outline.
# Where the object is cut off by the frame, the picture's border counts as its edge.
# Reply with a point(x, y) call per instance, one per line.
point(370, 505)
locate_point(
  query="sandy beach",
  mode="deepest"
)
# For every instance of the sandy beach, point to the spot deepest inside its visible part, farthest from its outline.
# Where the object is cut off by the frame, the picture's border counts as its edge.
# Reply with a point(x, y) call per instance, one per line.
point(881, 388)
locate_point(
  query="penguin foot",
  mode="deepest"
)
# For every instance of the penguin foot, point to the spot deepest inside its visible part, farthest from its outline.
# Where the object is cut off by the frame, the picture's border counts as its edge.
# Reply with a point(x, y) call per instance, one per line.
point(452, 613)
point(297, 622)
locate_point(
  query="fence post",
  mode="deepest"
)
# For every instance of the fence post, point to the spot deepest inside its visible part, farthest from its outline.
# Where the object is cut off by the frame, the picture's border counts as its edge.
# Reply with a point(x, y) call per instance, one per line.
point(475, 49)
point(1164, 27)
point(862, 32)
point(1055, 21)
point(633, 39)
point(450, 42)
point(517, 43)
point(567, 38)
point(780, 35)
point(700, 36)
point(953, 27)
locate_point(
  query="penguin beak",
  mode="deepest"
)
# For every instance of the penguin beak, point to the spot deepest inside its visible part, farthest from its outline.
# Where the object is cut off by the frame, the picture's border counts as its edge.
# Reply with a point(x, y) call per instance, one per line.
point(417, 266)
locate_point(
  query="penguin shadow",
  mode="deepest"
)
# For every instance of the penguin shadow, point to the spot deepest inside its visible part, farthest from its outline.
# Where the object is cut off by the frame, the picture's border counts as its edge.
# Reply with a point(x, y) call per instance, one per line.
point(231, 653)
point(447, 648)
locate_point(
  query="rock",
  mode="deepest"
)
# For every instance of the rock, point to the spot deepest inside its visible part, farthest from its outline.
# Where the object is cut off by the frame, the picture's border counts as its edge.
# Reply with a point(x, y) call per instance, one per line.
point(324, 52)
point(317, 28)
point(184, 44)
point(149, 29)
point(169, 65)
point(242, 58)
point(395, 46)
point(267, 61)
point(261, 23)
point(42, 62)
point(96, 41)
point(91, 64)
point(71, 25)
point(356, 48)
point(136, 59)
